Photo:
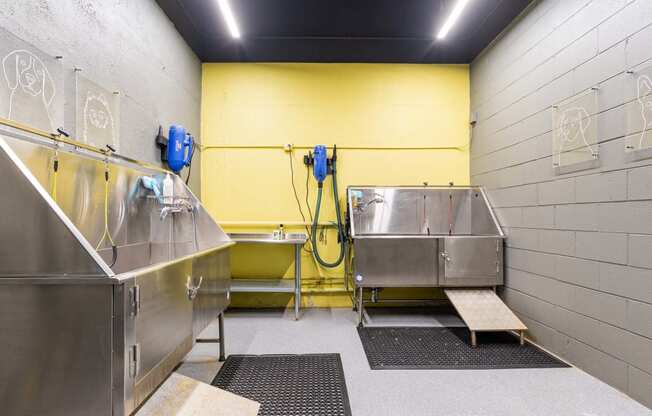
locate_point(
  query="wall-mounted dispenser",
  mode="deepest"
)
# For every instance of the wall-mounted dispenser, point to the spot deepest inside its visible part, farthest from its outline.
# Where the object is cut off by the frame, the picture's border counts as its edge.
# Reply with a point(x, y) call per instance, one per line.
point(177, 149)
point(181, 146)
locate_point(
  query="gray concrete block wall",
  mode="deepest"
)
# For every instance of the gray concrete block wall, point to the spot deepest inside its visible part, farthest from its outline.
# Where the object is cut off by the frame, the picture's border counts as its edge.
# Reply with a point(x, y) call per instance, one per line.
point(579, 247)
point(129, 46)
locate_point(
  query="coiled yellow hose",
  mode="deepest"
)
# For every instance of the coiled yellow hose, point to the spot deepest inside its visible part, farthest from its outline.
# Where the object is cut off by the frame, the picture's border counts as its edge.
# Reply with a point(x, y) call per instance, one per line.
point(107, 233)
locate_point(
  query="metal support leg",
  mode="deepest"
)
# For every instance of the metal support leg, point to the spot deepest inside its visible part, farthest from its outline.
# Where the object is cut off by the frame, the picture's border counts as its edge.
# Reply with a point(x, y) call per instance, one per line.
point(360, 312)
point(474, 340)
point(297, 280)
point(522, 337)
point(220, 322)
point(346, 268)
point(219, 340)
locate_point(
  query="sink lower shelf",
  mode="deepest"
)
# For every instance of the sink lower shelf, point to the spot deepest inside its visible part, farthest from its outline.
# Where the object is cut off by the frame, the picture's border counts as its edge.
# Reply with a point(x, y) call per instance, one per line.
point(262, 285)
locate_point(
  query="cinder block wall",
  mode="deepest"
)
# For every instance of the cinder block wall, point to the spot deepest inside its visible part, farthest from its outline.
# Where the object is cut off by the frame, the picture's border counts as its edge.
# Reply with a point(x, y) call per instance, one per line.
point(579, 255)
point(130, 46)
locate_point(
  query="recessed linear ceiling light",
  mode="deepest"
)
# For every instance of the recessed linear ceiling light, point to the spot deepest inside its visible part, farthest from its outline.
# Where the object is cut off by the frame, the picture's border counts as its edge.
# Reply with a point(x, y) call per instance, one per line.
point(452, 18)
point(227, 14)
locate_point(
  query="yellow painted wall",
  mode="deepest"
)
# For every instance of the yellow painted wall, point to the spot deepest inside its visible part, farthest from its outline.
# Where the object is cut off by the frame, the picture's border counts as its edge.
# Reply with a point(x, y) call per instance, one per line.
point(393, 125)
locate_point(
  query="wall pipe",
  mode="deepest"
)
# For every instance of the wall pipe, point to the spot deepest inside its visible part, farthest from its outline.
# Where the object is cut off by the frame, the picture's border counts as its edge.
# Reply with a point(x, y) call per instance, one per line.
point(305, 147)
point(272, 223)
point(58, 138)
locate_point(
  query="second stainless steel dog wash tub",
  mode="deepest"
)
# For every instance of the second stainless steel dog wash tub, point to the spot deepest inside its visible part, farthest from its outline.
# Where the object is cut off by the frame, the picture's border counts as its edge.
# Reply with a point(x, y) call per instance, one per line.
point(105, 285)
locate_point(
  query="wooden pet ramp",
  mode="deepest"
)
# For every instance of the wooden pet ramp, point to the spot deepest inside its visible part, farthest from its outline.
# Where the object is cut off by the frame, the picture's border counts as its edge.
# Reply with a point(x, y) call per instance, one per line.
point(183, 396)
point(483, 311)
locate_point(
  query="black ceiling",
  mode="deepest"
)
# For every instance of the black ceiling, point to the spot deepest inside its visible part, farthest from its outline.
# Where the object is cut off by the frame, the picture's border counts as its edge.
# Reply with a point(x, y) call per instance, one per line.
point(340, 30)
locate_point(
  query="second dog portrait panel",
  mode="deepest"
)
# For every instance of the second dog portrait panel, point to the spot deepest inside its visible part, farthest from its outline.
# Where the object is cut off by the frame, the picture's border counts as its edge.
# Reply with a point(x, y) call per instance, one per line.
point(97, 114)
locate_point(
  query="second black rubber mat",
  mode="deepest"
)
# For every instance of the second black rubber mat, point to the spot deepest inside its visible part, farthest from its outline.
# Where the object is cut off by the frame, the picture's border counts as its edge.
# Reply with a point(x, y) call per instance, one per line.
point(288, 385)
point(446, 348)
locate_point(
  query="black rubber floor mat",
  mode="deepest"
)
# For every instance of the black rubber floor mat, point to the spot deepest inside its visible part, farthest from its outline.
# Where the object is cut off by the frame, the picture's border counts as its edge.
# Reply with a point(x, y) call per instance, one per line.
point(288, 385)
point(442, 348)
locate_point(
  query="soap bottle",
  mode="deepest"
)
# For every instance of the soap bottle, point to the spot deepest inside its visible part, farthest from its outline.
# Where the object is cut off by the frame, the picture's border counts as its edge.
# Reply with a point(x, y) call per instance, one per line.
point(168, 190)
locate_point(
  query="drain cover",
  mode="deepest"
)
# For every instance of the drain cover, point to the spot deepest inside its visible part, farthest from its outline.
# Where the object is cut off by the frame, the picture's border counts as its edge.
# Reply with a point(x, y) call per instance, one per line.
point(448, 348)
point(288, 385)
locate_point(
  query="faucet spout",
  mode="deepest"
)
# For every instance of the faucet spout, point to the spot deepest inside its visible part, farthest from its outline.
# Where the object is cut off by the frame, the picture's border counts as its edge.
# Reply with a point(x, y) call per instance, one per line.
point(178, 206)
point(378, 199)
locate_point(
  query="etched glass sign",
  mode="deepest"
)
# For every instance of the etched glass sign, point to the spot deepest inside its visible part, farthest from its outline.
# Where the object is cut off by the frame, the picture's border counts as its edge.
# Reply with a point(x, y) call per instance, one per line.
point(31, 87)
point(575, 133)
point(97, 114)
point(638, 110)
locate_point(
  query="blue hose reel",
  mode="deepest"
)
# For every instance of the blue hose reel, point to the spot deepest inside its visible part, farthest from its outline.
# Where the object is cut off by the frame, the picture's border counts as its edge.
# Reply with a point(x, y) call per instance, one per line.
point(180, 148)
point(320, 168)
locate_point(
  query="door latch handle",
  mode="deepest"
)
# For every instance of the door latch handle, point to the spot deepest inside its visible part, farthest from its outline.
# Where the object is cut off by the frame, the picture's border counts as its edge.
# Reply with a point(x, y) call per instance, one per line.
point(445, 255)
point(193, 289)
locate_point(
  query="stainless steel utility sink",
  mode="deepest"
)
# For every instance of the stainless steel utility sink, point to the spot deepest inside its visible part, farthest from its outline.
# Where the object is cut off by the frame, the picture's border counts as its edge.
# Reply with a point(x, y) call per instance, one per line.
point(424, 237)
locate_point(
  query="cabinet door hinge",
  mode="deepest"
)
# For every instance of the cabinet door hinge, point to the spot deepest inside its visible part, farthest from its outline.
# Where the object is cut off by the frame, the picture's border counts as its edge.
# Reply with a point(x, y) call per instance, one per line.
point(134, 360)
point(134, 294)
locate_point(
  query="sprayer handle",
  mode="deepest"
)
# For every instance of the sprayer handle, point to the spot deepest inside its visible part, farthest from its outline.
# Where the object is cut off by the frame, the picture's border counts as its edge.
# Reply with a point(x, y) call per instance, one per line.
point(190, 144)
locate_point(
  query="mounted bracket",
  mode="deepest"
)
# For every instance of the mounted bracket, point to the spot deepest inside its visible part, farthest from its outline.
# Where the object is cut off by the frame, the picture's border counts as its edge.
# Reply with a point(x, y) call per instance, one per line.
point(162, 143)
point(309, 160)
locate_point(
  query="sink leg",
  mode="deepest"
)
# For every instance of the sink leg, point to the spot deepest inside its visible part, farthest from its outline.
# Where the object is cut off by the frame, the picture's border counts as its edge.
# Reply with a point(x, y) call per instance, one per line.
point(220, 322)
point(522, 337)
point(297, 280)
point(360, 307)
point(474, 340)
point(346, 267)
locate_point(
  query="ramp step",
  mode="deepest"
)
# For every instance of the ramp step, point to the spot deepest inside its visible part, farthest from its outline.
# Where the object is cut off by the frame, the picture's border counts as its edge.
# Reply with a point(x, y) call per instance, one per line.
point(483, 310)
point(180, 395)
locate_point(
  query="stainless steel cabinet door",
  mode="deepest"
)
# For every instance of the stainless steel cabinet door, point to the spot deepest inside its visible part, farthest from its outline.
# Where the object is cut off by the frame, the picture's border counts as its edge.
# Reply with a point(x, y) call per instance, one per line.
point(55, 344)
point(396, 262)
point(163, 325)
point(212, 276)
point(470, 262)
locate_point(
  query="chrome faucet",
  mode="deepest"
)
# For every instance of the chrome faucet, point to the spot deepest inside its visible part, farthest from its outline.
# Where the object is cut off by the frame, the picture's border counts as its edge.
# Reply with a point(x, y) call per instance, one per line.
point(179, 205)
point(378, 199)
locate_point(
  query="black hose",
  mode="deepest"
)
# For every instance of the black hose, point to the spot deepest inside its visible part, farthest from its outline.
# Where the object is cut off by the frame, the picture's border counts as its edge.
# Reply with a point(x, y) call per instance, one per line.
point(114, 255)
point(340, 229)
point(192, 156)
point(296, 198)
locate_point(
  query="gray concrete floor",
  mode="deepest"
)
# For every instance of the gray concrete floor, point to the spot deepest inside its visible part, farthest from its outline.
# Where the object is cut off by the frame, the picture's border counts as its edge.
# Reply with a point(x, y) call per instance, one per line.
point(545, 392)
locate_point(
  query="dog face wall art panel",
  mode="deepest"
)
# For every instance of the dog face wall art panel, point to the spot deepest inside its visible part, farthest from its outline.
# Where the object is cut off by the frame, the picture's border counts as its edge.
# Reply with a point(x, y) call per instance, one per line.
point(575, 133)
point(97, 114)
point(31, 85)
point(638, 109)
